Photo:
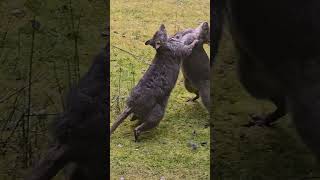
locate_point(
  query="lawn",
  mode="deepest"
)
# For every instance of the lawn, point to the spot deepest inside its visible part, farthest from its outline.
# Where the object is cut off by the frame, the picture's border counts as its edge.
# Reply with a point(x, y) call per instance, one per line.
point(256, 153)
point(166, 151)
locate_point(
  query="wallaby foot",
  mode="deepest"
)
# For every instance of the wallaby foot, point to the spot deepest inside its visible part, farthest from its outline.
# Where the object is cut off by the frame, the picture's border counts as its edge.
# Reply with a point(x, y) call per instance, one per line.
point(194, 98)
point(270, 118)
point(134, 118)
point(136, 135)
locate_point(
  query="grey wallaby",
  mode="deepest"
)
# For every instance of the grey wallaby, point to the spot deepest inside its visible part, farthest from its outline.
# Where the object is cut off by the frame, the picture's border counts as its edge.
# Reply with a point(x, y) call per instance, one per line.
point(196, 67)
point(148, 99)
point(80, 135)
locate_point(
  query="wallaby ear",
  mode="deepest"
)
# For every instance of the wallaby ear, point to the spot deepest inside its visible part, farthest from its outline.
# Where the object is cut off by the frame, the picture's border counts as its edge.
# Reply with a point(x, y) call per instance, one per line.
point(205, 26)
point(147, 42)
point(162, 27)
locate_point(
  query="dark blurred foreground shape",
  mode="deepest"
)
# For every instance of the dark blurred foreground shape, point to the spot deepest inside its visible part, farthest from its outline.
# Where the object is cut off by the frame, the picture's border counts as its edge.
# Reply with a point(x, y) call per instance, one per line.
point(81, 131)
point(279, 47)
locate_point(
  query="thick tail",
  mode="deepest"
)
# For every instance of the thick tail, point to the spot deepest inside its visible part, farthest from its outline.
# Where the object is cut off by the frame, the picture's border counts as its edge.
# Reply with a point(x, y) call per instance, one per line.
point(56, 158)
point(120, 119)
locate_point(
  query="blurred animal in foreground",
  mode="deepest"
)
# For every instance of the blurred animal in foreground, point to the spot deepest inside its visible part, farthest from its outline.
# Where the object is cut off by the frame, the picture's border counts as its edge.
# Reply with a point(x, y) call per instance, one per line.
point(80, 132)
point(279, 47)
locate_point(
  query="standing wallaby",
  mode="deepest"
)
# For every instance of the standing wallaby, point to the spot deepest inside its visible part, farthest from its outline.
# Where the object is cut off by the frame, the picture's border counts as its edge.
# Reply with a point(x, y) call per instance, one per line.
point(196, 67)
point(80, 132)
point(148, 99)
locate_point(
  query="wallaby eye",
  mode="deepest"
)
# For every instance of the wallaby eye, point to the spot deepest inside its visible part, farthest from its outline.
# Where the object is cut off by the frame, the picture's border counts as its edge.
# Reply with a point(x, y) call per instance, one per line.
point(158, 42)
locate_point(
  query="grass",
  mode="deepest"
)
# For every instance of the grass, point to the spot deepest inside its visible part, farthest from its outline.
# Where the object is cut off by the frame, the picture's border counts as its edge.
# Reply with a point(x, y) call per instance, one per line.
point(165, 150)
point(252, 153)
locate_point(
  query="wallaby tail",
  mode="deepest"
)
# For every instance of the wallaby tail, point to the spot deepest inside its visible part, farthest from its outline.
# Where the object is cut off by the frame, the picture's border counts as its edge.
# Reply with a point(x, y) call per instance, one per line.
point(56, 158)
point(204, 93)
point(120, 119)
point(304, 105)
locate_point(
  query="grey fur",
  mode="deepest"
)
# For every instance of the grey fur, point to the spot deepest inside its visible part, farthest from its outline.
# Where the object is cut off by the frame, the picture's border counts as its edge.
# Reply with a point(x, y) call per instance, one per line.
point(148, 99)
point(196, 67)
point(80, 132)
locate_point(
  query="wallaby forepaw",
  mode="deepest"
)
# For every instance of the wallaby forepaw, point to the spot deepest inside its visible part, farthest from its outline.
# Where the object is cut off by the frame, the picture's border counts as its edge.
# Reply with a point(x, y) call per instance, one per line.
point(192, 99)
point(257, 120)
point(136, 135)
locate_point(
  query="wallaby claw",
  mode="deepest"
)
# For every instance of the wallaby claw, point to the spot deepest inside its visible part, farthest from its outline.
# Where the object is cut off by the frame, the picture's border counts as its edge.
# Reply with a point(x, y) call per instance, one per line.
point(257, 120)
point(136, 135)
point(193, 99)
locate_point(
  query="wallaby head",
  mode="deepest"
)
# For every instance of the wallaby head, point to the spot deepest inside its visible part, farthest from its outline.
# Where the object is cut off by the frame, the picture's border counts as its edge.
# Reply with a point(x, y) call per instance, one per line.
point(202, 32)
point(159, 38)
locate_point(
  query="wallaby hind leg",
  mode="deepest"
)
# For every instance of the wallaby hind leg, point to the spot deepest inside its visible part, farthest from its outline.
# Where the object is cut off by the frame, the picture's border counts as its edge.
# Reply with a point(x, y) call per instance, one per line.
point(151, 121)
point(280, 111)
point(192, 89)
point(304, 103)
point(134, 117)
point(205, 94)
point(194, 98)
point(260, 120)
point(78, 173)
point(58, 156)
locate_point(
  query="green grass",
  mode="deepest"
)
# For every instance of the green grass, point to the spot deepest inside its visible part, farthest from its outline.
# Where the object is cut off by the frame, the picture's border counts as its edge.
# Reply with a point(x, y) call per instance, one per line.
point(255, 153)
point(165, 150)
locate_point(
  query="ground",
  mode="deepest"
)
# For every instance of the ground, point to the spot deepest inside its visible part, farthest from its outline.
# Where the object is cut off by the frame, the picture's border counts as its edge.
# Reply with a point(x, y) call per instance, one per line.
point(166, 151)
point(253, 153)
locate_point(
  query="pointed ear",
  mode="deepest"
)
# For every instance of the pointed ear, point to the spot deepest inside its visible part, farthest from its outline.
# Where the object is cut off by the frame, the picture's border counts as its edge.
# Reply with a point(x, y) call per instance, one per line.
point(205, 26)
point(162, 27)
point(147, 42)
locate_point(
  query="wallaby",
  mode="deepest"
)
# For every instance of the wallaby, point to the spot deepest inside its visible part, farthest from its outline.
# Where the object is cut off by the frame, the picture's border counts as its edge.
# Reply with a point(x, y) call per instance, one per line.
point(279, 56)
point(196, 67)
point(80, 133)
point(148, 99)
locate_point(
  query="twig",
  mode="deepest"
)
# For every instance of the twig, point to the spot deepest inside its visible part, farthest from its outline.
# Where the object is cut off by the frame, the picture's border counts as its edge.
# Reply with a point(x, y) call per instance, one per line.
point(59, 85)
point(76, 71)
point(133, 55)
point(9, 117)
point(47, 114)
point(11, 134)
point(133, 73)
point(28, 152)
point(17, 91)
point(5, 35)
point(76, 49)
point(119, 89)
